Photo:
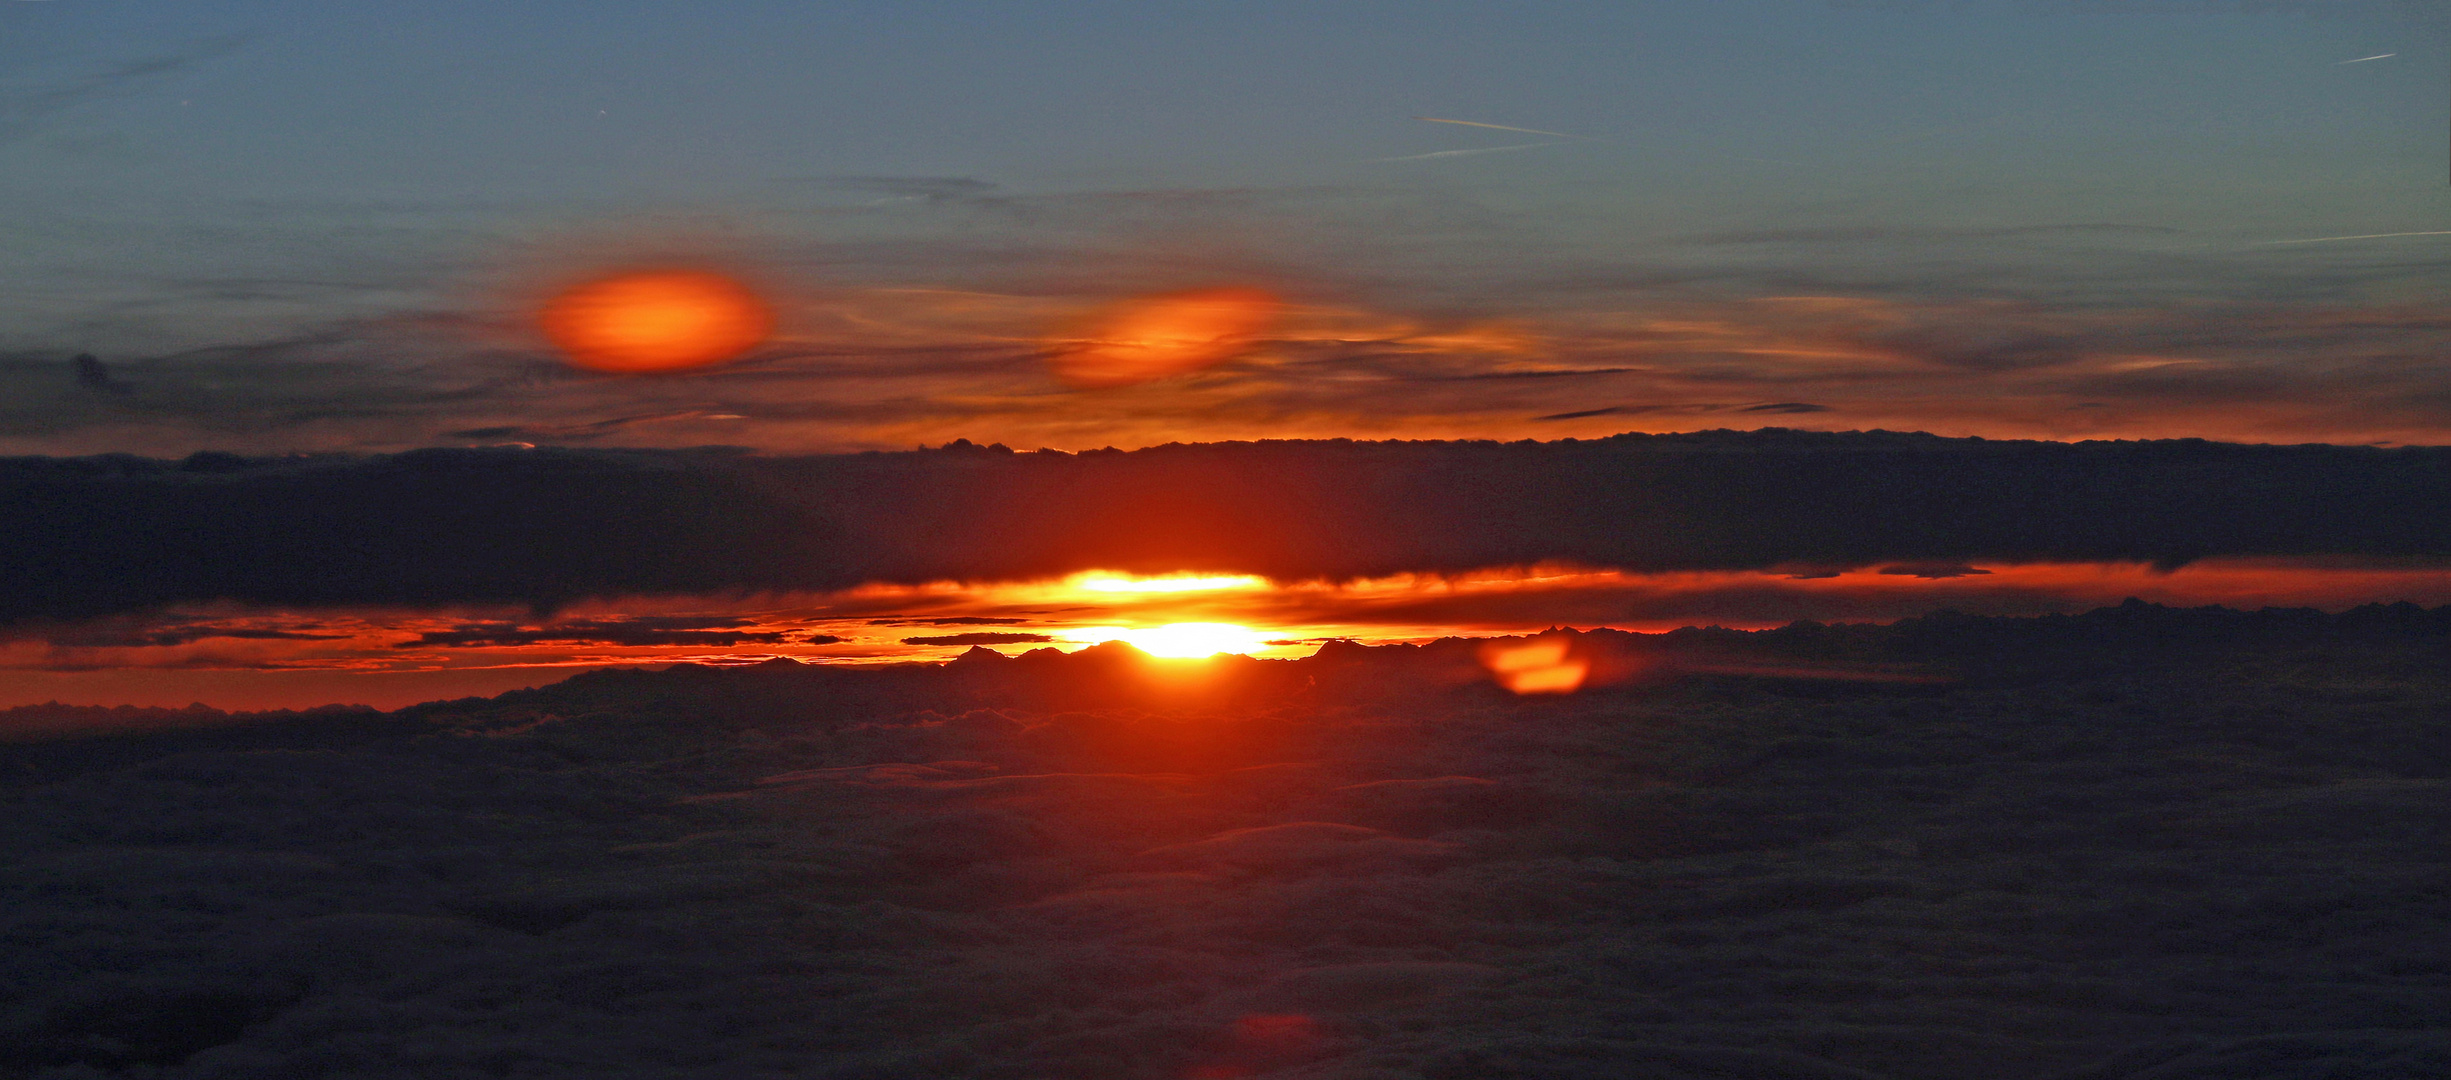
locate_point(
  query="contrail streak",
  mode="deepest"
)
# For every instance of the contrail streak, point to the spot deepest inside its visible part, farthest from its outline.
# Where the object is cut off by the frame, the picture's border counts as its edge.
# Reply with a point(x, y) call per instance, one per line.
point(2363, 59)
point(2363, 236)
point(1463, 153)
point(1500, 127)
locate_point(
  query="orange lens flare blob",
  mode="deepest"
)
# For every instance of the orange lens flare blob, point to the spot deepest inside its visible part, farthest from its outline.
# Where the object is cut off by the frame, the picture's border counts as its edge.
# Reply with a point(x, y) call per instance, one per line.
point(1535, 667)
point(1184, 640)
point(659, 320)
point(1155, 337)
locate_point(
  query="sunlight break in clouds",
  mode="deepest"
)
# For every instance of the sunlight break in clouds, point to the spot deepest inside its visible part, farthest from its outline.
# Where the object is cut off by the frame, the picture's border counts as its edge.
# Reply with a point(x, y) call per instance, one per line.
point(256, 657)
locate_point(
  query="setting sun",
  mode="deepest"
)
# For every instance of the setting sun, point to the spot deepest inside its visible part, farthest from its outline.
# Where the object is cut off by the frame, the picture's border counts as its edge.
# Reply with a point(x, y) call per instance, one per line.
point(667, 320)
point(1187, 640)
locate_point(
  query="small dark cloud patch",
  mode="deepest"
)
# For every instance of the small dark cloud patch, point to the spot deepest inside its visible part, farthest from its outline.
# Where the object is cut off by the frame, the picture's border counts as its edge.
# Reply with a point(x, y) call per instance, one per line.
point(1932, 571)
point(961, 620)
point(1786, 407)
point(981, 638)
point(1560, 373)
point(93, 374)
point(596, 429)
point(641, 630)
point(1613, 410)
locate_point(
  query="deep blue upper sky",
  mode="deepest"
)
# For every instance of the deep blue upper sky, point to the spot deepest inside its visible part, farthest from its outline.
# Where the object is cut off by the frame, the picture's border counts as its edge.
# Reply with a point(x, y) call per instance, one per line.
point(347, 207)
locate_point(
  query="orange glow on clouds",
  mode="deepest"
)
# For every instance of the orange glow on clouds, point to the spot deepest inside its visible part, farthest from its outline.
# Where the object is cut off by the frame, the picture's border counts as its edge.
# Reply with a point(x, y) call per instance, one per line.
point(1154, 337)
point(1170, 583)
point(664, 320)
point(1539, 666)
point(237, 656)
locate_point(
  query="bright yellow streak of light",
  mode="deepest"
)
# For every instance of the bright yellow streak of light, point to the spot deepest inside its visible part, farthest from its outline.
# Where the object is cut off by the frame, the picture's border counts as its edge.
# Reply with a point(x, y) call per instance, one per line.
point(1189, 640)
point(1171, 583)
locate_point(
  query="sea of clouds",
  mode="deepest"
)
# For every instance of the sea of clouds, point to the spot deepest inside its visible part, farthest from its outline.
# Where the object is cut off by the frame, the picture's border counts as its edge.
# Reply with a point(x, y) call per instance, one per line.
point(2137, 844)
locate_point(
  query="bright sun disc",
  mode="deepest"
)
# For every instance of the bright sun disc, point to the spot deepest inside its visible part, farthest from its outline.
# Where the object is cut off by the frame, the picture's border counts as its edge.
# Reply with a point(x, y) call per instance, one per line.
point(1184, 640)
point(660, 320)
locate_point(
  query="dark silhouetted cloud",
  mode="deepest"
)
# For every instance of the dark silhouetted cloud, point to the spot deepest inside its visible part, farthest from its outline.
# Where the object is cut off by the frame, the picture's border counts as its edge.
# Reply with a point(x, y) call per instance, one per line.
point(1930, 571)
point(1613, 410)
point(982, 638)
point(587, 431)
point(1785, 407)
point(90, 536)
point(93, 374)
point(635, 630)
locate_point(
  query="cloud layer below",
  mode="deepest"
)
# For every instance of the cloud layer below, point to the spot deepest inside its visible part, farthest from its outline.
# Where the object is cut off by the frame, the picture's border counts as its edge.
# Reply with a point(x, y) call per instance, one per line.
point(2136, 843)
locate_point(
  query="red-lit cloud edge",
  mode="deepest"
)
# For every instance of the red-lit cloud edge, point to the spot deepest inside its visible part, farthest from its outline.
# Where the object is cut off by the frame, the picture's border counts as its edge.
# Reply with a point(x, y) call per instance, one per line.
point(258, 656)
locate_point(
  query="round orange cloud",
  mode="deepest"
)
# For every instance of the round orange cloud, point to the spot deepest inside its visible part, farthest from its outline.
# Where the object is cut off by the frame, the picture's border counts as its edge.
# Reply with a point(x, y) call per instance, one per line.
point(656, 320)
point(1153, 337)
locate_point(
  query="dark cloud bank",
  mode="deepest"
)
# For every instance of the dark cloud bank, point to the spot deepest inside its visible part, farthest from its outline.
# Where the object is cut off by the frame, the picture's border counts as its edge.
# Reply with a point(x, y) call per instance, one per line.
point(87, 536)
point(2140, 844)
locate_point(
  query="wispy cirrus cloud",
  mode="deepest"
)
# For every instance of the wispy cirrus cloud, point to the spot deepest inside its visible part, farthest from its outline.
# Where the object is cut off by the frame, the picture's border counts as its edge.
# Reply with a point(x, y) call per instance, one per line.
point(920, 310)
point(33, 94)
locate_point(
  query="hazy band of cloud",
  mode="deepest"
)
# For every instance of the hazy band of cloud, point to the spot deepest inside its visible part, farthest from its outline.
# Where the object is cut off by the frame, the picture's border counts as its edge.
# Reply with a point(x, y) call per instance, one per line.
point(100, 535)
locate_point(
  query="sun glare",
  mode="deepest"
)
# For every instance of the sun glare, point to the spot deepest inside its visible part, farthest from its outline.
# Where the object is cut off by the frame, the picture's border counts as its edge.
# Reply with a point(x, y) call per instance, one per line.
point(664, 320)
point(1119, 583)
point(1185, 640)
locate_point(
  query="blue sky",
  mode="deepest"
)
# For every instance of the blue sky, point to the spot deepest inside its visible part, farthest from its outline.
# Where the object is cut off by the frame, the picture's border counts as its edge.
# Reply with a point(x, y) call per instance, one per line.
point(316, 226)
